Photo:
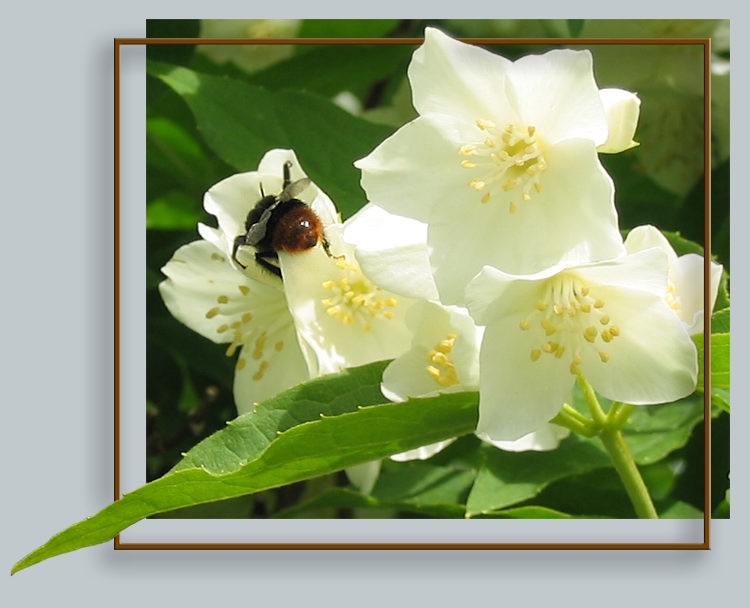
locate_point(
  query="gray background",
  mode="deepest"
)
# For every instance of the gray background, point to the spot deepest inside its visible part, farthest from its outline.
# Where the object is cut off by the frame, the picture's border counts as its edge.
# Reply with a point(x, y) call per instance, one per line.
point(56, 104)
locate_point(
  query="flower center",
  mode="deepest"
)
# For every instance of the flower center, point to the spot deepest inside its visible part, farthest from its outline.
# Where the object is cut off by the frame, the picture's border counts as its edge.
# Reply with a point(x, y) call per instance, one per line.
point(355, 299)
point(441, 367)
point(242, 332)
point(566, 320)
point(508, 159)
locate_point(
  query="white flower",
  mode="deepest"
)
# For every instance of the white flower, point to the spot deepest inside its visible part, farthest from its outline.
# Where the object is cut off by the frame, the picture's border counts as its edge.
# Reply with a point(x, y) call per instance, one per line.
point(502, 161)
point(685, 279)
point(206, 292)
point(286, 331)
point(392, 251)
point(249, 57)
point(444, 358)
point(343, 319)
point(606, 321)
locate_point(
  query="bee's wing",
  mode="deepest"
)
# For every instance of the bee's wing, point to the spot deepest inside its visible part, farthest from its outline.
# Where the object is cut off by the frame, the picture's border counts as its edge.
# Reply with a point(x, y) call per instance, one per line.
point(257, 231)
point(295, 188)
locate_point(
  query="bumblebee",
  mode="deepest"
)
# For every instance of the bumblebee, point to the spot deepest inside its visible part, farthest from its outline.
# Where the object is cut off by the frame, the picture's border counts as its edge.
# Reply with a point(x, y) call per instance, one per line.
point(280, 222)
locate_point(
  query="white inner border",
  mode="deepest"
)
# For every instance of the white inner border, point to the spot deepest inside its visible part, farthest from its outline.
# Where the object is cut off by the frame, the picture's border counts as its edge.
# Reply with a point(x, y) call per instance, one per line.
point(132, 411)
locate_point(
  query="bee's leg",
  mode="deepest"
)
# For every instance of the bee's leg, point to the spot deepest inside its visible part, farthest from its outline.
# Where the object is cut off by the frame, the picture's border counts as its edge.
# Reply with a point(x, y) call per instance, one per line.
point(326, 245)
point(287, 174)
point(240, 240)
point(263, 257)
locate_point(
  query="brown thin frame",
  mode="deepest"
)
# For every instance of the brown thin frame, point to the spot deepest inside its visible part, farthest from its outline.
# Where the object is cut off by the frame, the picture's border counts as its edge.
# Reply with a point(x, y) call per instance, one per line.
point(706, 544)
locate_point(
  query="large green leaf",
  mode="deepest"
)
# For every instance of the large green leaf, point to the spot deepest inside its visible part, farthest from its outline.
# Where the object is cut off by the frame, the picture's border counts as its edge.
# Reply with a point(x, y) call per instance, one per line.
point(241, 122)
point(313, 429)
point(652, 432)
point(321, 70)
point(508, 478)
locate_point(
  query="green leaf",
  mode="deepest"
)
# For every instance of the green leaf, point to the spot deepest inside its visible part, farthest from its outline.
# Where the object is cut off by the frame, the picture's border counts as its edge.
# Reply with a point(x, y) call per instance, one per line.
point(575, 26)
point(346, 28)
point(419, 485)
point(173, 211)
point(329, 499)
point(507, 478)
point(241, 122)
point(681, 510)
point(321, 70)
point(328, 430)
point(531, 512)
point(654, 431)
point(719, 360)
point(720, 398)
point(720, 322)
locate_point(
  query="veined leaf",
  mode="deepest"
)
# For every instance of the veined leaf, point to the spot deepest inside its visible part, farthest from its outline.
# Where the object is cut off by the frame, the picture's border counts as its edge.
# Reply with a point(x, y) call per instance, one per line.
point(323, 429)
point(241, 122)
point(509, 478)
point(719, 360)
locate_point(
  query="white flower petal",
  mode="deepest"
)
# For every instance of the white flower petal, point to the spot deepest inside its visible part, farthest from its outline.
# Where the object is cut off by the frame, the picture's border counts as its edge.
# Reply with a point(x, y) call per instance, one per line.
point(548, 437)
point(652, 359)
point(273, 161)
point(423, 453)
point(206, 293)
point(564, 222)
point(442, 84)
point(340, 315)
point(233, 198)
point(646, 237)
point(270, 363)
point(622, 109)
point(688, 280)
point(364, 475)
point(399, 175)
point(686, 275)
point(517, 396)
point(494, 294)
point(556, 93)
point(645, 270)
point(392, 251)
point(443, 357)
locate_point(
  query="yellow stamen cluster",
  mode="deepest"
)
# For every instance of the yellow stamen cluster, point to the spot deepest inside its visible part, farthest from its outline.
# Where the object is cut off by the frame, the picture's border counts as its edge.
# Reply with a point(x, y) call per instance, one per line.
point(242, 332)
point(508, 158)
point(566, 320)
point(356, 300)
point(441, 367)
point(673, 300)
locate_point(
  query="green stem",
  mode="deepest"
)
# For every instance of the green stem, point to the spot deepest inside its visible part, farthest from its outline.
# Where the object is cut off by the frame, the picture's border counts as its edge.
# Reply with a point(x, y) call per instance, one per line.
point(625, 466)
point(575, 421)
point(611, 436)
point(620, 418)
point(597, 413)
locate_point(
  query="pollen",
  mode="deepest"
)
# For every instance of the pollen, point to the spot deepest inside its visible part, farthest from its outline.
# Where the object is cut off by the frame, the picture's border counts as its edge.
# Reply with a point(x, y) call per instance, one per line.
point(261, 371)
point(507, 159)
point(354, 300)
point(567, 321)
point(441, 367)
point(260, 345)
